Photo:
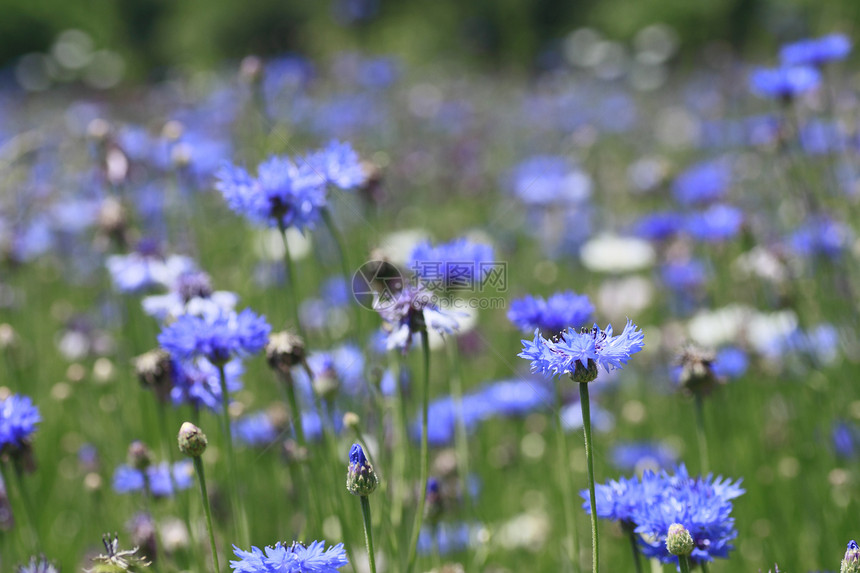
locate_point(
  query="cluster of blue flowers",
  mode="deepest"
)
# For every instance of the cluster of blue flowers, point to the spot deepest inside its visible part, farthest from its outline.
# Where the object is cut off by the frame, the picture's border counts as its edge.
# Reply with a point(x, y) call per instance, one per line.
point(648, 506)
point(159, 480)
point(215, 337)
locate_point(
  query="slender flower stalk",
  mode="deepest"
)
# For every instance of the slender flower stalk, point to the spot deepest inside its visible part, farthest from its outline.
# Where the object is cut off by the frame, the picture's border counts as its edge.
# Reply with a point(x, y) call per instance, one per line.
point(291, 279)
point(362, 481)
point(704, 461)
point(425, 454)
point(192, 443)
point(564, 481)
point(25, 505)
point(637, 557)
point(589, 456)
point(461, 442)
point(341, 254)
point(684, 563)
point(226, 427)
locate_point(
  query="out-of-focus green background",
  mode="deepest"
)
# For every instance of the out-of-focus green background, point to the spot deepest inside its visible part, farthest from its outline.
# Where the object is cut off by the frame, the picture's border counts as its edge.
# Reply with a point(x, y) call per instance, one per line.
point(155, 35)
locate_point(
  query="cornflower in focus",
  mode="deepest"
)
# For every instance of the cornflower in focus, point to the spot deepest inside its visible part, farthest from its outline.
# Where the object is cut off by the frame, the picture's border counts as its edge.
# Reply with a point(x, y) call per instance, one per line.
point(580, 354)
point(293, 558)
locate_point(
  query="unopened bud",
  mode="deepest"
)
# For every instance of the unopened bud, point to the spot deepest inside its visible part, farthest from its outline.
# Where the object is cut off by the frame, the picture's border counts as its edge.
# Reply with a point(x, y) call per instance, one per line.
point(697, 370)
point(360, 477)
point(351, 420)
point(155, 371)
point(285, 350)
point(851, 561)
point(192, 440)
point(679, 541)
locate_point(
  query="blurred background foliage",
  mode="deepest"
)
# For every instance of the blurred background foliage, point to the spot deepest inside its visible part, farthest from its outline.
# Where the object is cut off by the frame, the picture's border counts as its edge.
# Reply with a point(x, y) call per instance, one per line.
point(153, 36)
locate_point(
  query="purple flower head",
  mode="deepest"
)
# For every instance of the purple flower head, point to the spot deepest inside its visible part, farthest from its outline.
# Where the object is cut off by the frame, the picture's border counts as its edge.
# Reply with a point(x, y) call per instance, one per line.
point(730, 362)
point(356, 455)
point(576, 353)
point(552, 315)
point(549, 180)
point(294, 558)
point(458, 265)
point(197, 382)
point(821, 236)
point(255, 430)
point(815, 51)
point(282, 194)
point(411, 311)
point(337, 164)
point(216, 337)
point(659, 226)
point(18, 419)
point(784, 83)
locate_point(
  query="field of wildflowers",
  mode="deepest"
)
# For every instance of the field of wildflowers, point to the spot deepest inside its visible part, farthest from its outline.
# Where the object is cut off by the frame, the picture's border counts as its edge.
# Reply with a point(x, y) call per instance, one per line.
point(356, 315)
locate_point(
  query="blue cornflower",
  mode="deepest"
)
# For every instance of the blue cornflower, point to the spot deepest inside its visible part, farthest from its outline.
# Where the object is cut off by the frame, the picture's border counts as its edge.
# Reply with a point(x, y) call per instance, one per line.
point(659, 226)
point(821, 236)
point(161, 478)
point(846, 439)
point(337, 164)
point(815, 51)
point(197, 382)
point(730, 362)
point(293, 558)
point(580, 354)
point(18, 419)
point(702, 183)
point(459, 264)
point(190, 293)
point(282, 194)
point(638, 455)
point(784, 83)
point(549, 180)
point(717, 223)
point(702, 505)
point(619, 500)
point(446, 538)
point(146, 268)
point(255, 430)
point(552, 315)
point(37, 565)
point(411, 311)
point(216, 337)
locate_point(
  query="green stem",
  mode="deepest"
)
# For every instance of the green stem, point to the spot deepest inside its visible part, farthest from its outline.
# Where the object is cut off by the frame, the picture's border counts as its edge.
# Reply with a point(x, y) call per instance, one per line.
point(425, 455)
point(700, 434)
point(704, 566)
point(295, 411)
point(564, 481)
point(341, 253)
point(201, 478)
point(637, 559)
point(368, 532)
point(291, 280)
point(684, 563)
point(461, 442)
point(589, 456)
point(24, 504)
point(238, 511)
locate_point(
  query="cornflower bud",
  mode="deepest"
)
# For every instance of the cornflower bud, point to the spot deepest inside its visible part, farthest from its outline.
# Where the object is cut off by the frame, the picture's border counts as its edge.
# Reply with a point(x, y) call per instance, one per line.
point(679, 541)
point(851, 561)
point(192, 440)
point(360, 477)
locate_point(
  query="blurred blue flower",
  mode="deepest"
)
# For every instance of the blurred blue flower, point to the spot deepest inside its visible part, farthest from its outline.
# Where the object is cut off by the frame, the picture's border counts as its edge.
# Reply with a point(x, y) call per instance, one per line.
point(551, 315)
point(216, 337)
point(659, 226)
point(18, 419)
point(846, 439)
point(684, 276)
point(546, 180)
point(282, 194)
point(571, 350)
point(161, 478)
point(445, 538)
point(37, 565)
point(702, 183)
point(146, 268)
point(784, 83)
point(730, 362)
point(410, 311)
point(190, 293)
point(815, 51)
point(702, 505)
point(717, 223)
point(632, 456)
point(337, 164)
point(335, 292)
point(197, 382)
point(255, 430)
point(294, 558)
point(821, 236)
point(457, 265)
